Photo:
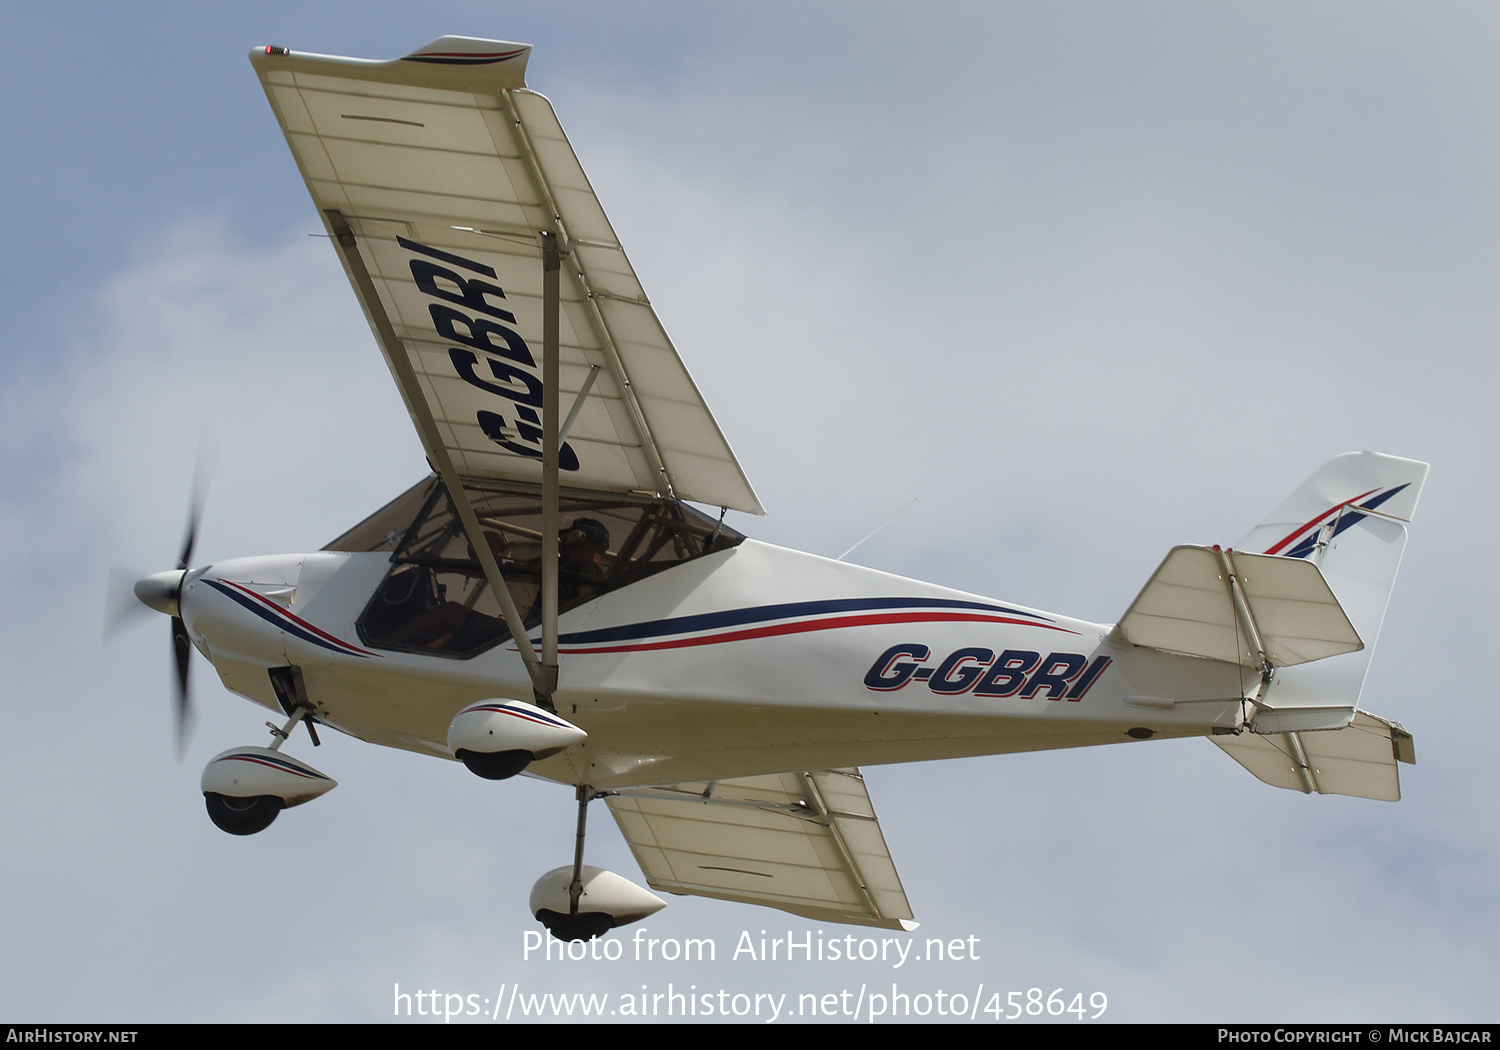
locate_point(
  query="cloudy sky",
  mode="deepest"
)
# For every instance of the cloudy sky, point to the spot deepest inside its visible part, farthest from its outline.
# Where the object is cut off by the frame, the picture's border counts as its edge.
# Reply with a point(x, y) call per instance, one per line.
point(1086, 279)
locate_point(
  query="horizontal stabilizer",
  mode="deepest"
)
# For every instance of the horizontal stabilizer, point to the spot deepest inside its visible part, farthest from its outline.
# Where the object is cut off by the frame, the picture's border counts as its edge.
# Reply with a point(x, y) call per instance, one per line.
point(1358, 760)
point(1239, 608)
point(806, 843)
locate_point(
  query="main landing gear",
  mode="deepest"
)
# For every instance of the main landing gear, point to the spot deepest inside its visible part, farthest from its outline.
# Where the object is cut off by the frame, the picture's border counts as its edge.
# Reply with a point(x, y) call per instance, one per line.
point(579, 903)
point(242, 816)
point(496, 739)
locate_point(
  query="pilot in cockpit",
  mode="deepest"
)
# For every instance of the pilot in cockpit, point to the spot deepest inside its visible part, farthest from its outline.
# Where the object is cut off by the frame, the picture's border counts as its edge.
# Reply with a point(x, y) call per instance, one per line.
point(580, 552)
point(437, 624)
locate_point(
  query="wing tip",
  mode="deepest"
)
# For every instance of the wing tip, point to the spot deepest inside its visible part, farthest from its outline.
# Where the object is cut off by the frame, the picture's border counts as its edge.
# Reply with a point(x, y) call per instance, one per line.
point(461, 63)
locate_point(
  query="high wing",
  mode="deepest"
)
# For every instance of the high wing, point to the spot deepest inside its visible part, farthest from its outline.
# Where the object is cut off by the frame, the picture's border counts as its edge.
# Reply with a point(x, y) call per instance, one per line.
point(438, 175)
point(807, 843)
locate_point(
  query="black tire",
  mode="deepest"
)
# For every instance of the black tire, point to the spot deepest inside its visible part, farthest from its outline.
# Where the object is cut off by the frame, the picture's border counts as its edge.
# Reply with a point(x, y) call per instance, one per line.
point(494, 765)
point(242, 816)
point(584, 926)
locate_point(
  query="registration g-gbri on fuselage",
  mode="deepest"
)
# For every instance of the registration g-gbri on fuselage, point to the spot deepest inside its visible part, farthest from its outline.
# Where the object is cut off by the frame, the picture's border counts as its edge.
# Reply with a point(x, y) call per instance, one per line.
point(562, 596)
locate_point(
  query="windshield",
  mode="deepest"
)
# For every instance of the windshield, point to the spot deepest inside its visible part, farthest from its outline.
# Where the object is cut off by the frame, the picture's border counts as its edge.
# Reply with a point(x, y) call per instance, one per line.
point(436, 600)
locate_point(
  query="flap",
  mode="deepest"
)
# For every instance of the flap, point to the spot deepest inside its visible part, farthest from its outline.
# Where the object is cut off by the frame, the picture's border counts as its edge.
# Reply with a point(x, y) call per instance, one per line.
point(806, 843)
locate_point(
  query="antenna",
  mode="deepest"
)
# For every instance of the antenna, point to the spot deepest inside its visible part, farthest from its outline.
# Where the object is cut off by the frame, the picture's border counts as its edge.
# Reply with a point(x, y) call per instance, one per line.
point(876, 529)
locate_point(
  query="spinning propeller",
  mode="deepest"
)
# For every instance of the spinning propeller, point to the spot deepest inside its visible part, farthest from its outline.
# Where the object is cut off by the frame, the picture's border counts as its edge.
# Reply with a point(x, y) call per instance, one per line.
point(162, 591)
point(182, 646)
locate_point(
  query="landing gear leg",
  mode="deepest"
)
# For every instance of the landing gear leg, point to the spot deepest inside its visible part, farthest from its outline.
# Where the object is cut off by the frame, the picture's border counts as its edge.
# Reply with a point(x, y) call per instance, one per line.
point(292, 694)
point(285, 731)
point(575, 888)
point(577, 925)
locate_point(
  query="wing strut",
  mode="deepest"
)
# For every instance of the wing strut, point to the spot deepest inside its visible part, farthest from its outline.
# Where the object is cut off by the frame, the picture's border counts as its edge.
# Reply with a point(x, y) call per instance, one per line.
point(354, 264)
point(551, 452)
point(543, 670)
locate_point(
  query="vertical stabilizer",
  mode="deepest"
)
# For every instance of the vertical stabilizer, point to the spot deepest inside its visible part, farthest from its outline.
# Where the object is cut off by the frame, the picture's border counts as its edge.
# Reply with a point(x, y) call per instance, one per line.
point(1349, 519)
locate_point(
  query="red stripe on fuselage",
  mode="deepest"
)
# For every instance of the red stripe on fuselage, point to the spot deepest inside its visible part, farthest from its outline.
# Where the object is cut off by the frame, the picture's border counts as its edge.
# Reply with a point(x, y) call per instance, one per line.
point(279, 611)
point(803, 627)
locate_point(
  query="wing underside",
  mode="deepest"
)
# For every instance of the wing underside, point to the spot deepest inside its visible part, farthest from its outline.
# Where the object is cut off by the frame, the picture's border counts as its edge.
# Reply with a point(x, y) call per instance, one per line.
point(437, 176)
point(807, 843)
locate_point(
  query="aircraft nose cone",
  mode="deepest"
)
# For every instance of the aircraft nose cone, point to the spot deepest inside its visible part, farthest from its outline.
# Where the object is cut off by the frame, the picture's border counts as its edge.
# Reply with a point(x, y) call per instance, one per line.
point(160, 591)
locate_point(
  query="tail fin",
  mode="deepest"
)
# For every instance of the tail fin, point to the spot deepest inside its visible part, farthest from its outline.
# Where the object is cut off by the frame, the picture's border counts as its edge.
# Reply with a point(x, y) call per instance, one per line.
point(1339, 496)
point(1350, 520)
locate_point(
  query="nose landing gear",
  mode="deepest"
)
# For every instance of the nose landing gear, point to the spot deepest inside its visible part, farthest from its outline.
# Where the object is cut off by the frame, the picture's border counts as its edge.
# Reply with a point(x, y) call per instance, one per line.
point(245, 788)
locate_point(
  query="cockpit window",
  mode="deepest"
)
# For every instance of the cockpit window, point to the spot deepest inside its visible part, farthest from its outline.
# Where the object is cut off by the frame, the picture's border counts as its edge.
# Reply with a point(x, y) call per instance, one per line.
point(436, 600)
point(383, 530)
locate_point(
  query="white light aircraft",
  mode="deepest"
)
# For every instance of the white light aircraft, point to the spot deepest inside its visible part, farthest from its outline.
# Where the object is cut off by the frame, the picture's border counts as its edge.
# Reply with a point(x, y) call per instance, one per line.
point(549, 601)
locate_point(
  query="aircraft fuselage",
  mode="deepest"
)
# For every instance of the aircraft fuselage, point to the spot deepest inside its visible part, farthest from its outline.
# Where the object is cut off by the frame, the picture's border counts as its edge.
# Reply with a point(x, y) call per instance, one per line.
point(751, 660)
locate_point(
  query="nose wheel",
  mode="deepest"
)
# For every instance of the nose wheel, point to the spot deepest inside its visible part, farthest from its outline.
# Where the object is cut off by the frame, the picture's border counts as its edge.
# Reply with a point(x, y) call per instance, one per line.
point(245, 788)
